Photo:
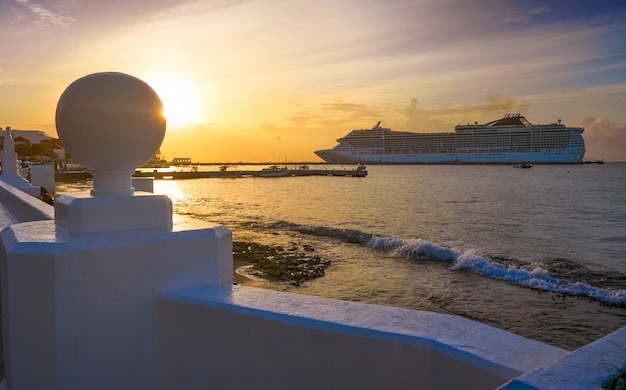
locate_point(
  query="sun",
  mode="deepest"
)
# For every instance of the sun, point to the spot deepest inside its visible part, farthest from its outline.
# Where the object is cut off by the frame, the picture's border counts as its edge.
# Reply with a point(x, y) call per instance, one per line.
point(180, 104)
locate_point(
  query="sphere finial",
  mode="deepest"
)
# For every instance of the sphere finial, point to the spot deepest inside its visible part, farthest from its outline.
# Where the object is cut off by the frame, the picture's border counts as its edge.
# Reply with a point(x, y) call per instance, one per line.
point(111, 123)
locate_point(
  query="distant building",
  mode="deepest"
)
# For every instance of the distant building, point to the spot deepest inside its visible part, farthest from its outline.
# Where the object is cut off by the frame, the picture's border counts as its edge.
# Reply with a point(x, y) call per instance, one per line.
point(19, 140)
point(32, 137)
point(55, 145)
point(60, 152)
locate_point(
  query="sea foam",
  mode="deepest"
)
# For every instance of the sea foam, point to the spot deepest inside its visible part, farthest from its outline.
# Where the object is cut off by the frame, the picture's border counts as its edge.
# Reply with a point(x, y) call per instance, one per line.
point(535, 276)
point(532, 275)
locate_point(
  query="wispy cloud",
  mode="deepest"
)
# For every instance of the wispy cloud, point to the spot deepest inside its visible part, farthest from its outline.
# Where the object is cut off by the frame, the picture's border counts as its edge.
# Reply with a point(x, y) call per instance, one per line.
point(45, 15)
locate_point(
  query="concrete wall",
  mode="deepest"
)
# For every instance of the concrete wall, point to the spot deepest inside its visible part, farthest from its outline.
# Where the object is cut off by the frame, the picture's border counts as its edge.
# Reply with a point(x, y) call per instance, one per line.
point(588, 367)
point(236, 337)
point(22, 206)
point(79, 311)
point(42, 175)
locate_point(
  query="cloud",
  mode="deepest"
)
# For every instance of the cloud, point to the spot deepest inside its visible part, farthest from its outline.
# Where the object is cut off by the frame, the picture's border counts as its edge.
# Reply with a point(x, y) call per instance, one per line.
point(418, 120)
point(339, 114)
point(570, 91)
point(340, 106)
point(444, 118)
point(505, 105)
point(604, 139)
point(299, 120)
point(44, 15)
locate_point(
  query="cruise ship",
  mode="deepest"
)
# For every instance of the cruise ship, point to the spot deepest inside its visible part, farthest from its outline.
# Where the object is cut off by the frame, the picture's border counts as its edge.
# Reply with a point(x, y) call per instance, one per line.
point(510, 139)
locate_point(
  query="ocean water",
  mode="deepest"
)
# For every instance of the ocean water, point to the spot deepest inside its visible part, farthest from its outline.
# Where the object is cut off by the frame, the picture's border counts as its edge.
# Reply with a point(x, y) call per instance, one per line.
point(539, 252)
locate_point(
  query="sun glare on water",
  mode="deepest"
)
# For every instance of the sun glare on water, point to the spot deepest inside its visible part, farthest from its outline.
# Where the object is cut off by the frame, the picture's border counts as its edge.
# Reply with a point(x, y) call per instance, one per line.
point(180, 105)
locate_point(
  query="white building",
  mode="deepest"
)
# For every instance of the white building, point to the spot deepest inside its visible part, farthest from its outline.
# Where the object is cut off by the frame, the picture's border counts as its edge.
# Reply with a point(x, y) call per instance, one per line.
point(33, 136)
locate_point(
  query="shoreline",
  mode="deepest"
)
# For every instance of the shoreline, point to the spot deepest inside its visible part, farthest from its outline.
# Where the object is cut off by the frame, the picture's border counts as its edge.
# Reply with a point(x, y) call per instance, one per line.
point(242, 277)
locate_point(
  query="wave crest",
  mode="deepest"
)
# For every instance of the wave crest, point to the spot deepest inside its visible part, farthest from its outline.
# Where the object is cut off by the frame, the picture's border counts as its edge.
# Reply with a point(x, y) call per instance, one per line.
point(416, 248)
point(533, 276)
point(536, 276)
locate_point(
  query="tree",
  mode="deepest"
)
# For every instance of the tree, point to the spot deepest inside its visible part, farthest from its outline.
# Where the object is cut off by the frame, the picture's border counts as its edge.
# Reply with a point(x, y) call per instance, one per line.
point(34, 151)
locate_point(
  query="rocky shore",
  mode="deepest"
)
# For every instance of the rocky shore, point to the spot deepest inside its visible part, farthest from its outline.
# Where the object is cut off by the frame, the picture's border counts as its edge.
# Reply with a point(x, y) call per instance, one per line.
point(294, 263)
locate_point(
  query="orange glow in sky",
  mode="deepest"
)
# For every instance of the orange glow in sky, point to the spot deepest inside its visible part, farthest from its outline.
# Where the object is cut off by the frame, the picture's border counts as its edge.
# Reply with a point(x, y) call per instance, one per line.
point(180, 105)
point(274, 80)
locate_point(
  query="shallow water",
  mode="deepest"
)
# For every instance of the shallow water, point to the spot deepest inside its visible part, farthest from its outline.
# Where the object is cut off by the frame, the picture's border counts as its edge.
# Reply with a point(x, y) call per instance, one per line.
point(540, 252)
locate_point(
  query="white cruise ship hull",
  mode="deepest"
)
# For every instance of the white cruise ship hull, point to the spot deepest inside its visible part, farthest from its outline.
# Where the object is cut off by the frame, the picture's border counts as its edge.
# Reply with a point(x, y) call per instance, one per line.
point(511, 139)
point(542, 157)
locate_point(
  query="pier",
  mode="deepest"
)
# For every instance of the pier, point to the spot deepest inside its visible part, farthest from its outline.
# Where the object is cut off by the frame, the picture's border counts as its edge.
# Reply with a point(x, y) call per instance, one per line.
point(196, 173)
point(112, 290)
point(274, 171)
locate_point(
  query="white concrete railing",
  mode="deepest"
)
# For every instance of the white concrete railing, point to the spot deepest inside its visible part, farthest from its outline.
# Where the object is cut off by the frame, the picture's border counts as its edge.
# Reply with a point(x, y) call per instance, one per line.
point(116, 292)
point(22, 207)
point(279, 340)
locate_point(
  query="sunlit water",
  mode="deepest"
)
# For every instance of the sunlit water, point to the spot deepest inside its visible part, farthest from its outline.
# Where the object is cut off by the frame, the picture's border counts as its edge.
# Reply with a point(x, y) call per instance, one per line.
point(539, 252)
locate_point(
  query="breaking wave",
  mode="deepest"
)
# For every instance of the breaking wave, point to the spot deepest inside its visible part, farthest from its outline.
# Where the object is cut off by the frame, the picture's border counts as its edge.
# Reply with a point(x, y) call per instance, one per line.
point(547, 276)
point(346, 235)
point(536, 276)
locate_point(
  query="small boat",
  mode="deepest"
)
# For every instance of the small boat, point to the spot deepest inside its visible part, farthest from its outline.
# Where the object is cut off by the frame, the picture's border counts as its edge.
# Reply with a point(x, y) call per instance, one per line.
point(179, 161)
point(594, 162)
point(523, 165)
point(226, 173)
point(274, 171)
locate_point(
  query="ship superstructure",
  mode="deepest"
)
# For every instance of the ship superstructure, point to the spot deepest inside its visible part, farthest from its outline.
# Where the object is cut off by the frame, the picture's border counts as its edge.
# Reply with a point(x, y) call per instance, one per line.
point(511, 139)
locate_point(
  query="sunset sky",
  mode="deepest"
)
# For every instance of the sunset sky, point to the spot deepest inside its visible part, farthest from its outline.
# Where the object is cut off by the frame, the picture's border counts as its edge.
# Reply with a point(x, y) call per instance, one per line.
point(259, 81)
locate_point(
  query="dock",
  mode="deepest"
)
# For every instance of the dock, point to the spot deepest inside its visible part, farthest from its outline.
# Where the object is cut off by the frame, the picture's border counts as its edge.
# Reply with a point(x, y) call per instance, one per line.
point(266, 172)
point(194, 173)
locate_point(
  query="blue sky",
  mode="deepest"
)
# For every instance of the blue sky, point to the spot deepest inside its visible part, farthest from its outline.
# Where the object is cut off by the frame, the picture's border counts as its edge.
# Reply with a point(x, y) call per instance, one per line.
point(267, 80)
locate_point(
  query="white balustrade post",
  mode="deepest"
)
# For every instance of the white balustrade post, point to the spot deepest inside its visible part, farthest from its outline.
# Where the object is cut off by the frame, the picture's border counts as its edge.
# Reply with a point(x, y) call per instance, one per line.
point(9, 167)
point(79, 293)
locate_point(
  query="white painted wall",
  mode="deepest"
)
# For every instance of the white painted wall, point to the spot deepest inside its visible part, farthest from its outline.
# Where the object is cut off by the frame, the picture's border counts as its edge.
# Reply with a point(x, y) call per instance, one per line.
point(43, 176)
point(588, 367)
point(23, 207)
point(79, 310)
point(236, 337)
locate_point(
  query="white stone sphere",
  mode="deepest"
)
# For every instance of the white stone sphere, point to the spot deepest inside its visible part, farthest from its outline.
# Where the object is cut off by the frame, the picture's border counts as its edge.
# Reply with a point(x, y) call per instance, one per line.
point(110, 122)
